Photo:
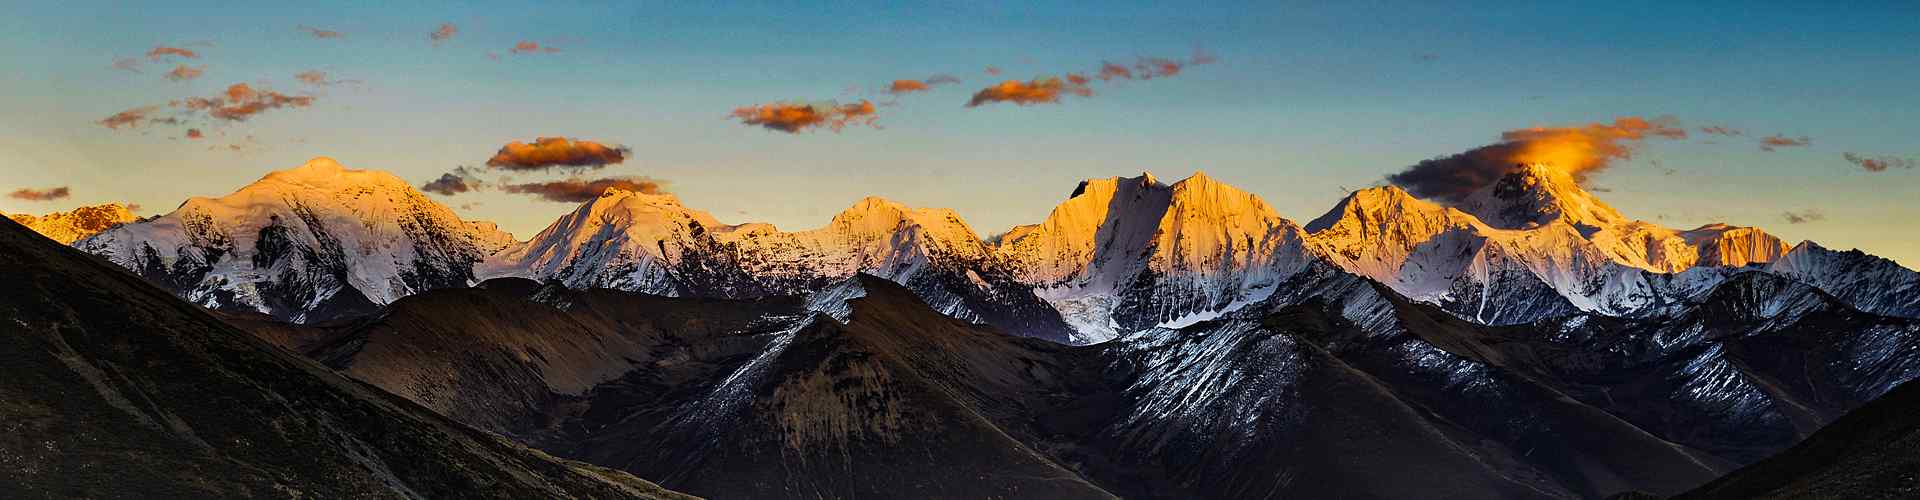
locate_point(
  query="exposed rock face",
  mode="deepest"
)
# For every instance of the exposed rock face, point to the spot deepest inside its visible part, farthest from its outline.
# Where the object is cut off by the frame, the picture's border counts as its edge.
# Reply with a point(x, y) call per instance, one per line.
point(68, 227)
point(311, 243)
point(117, 389)
point(1125, 254)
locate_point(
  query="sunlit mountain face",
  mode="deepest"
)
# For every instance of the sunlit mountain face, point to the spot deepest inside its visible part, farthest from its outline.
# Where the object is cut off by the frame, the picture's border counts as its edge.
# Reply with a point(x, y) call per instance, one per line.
point(921, 251)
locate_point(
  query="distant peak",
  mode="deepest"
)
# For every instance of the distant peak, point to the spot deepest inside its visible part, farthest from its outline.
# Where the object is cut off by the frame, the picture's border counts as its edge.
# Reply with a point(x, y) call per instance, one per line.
point(321, 164)
point(1537, 193)
point(1147, 178)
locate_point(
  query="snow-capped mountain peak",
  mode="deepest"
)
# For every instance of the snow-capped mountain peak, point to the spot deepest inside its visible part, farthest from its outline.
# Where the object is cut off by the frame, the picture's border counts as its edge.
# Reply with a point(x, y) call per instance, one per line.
point(1536, 194)
point(73, 225)
point(305, 243)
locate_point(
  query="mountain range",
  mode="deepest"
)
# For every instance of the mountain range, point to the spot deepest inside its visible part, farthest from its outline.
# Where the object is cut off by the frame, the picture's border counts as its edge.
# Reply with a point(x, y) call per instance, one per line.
point(1120, 255)
point(1145, 340)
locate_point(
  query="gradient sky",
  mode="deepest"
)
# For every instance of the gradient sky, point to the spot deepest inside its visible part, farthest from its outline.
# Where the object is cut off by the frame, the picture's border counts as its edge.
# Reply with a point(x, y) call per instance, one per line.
point(1305, 101)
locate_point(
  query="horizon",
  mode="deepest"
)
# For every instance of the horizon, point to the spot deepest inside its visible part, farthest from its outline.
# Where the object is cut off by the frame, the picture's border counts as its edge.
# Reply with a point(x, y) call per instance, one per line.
point(1351, 97)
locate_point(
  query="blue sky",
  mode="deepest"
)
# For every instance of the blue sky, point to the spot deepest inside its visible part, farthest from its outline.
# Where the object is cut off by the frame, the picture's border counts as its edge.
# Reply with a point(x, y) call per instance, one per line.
point(1305, 100)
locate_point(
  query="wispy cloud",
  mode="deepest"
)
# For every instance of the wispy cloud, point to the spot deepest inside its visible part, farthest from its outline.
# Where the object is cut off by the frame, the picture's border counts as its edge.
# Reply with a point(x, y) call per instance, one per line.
point(194, 133)
point(445, 32)
point(320, 33)
point(129, 64)
point(1722, 131)
point(1036, 91)
point(529, 47)
point(551, 152)
point(794, 117)
point(899, 87)
point(1878, 163)
point(241, 101)
point(184, 72)
point(1776, 141)
point(1803, 216)
point(580, 190)
point(162, 51)
point(48, 194)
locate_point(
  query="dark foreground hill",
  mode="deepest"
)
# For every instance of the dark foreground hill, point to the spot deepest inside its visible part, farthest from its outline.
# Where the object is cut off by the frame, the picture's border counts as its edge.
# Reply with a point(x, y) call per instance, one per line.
point(1873, 452)
point(116, 389)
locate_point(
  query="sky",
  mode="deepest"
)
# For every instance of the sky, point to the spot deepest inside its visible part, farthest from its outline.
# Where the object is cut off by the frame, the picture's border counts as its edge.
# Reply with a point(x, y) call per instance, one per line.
point(1297, 103)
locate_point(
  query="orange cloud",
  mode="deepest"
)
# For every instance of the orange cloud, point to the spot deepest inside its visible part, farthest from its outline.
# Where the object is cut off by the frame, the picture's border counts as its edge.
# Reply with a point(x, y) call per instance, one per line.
point(194, 133)
point(49, 194)
point(793, 118)
point(128, 118)
point(579, 190)
point(443, 33)
point(162, 51)
point(320, 33)
point(1040, 90)
point(528, 47)
point(1769, 143)
point(183, 73)
point(1580, 150)
point(241, 101)
point(910, 86)
point(549, 152)
point(907, 87)
point(1147, 68)
point(1879, 164)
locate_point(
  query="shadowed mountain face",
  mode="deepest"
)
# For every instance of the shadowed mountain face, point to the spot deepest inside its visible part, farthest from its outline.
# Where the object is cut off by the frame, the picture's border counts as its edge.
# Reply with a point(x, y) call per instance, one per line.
point(1872, 452)
point(116, 389)
point(1335, 386)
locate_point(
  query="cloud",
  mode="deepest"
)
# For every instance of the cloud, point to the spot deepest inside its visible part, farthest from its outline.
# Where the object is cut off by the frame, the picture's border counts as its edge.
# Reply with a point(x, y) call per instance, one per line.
point(318, 78)
point(163, 51)
point(1722, 131)
point(793, 118)
point(129, 118)
point(460, 180)
point(241, 101)
point(993, 71)
point(320, 33)
point(1769, 143)
point(129, 64)
point(194, 133)
point(579, 190)
point(1039, 90)
point(550, 152)
point(1880, 163)
point(528, 47)
point(1803, 216)
point(183, 73)
point(48, 194)
point(1580, 150)
point(1148, 68)
point(445, 32)
point(910, 86)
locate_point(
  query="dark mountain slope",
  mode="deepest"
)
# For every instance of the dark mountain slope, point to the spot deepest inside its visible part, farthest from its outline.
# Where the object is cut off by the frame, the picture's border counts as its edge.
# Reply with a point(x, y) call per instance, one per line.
point(115, 388)
point(898, 401)
point(1872, 452)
